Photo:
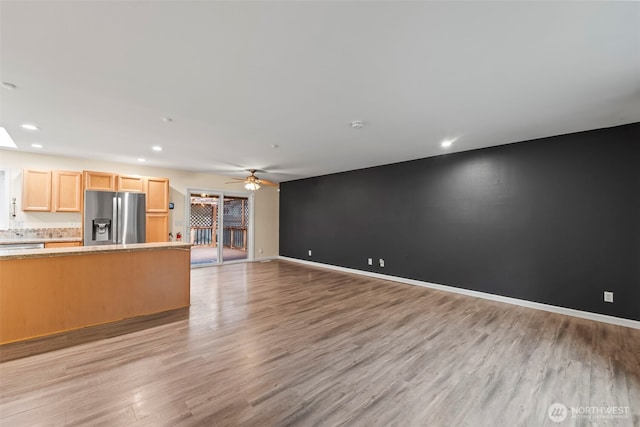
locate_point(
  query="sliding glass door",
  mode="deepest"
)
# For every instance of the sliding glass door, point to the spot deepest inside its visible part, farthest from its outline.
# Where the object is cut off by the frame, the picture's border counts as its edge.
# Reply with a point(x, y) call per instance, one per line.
point(235, 217)
point(203, 228)
point(219, 227)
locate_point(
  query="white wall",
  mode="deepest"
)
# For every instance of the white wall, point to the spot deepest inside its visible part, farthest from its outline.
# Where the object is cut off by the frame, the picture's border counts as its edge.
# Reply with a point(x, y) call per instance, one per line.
point(265, 208)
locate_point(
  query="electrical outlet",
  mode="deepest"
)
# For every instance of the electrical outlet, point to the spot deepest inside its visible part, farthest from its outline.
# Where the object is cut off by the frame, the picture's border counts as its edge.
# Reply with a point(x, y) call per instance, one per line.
point(260, 250)
point(370, 261)
point(381, 262)
point(309, 252)
point(608, 296)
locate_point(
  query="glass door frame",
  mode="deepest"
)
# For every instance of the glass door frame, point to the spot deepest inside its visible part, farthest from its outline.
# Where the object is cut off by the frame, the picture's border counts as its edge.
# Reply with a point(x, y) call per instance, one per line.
point(220, 194)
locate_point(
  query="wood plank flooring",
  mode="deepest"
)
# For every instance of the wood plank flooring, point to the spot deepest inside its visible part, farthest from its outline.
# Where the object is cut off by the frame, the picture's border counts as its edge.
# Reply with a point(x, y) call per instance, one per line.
point(278, 344)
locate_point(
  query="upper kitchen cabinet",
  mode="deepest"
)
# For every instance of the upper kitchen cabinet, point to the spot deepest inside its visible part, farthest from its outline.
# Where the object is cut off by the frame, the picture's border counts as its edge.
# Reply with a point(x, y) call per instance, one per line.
point(157, 190)
point(46, 191)
point(36, 190)
point(99, 181)
point(67, 191)
point(131, 183)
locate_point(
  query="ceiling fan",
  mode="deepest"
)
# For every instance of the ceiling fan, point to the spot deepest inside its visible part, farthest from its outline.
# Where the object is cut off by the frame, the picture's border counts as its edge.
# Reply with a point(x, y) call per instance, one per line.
point(252, 182)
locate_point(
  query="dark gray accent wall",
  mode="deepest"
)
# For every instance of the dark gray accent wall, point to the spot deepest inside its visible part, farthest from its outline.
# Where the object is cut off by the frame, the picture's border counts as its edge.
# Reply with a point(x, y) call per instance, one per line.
point(554, 220)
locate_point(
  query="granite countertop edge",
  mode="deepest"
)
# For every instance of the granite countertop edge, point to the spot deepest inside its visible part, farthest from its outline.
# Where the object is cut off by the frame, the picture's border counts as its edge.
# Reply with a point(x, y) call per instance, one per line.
point(87, 250)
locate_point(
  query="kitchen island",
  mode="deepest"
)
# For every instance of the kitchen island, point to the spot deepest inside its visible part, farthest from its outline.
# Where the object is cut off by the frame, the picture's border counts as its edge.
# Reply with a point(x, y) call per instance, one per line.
point(47, 291)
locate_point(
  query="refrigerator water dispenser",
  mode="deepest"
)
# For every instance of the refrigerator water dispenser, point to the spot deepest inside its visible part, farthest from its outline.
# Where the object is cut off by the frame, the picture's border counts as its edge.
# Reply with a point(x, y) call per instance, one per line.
point(101, 229)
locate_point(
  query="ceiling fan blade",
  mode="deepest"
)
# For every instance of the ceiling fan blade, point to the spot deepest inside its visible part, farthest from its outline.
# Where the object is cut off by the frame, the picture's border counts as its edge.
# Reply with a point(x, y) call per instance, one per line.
point(234, 182)
point(238, 179)
point(265, 182)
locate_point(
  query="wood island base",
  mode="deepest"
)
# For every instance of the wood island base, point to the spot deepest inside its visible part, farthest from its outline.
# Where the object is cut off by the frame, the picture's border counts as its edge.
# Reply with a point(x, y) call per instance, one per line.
point(64, 289)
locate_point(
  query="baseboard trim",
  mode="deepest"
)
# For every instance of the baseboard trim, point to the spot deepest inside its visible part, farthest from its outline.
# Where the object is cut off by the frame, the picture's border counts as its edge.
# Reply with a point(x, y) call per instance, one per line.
point(492, 297)
point(266, 258)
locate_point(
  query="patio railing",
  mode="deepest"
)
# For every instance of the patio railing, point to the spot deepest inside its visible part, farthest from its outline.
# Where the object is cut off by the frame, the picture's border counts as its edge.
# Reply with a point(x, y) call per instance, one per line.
point(233, 237)
point(204, 236)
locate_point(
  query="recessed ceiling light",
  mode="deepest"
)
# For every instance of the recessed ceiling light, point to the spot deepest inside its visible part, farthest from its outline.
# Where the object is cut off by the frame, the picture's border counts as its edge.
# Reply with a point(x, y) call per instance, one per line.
point(29, 126)
point(156, 148)
point(9, 86)
point(141, 160)
point(274, 146)
point(357, 124)
point(446, 143)
point(37, 145)
point(166, 119)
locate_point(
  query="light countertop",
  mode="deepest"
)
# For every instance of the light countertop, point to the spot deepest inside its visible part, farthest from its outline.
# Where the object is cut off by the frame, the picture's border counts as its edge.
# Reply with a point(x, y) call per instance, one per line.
point(18, 240)
point(83, 250)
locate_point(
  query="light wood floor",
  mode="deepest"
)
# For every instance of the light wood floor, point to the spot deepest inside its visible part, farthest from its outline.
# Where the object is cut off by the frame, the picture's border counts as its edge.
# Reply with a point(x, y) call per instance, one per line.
point(282, 344)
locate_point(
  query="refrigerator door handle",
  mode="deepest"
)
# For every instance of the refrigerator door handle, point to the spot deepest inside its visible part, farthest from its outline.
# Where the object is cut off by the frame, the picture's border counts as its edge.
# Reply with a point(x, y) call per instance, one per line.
point(116, 221)
point(121, 223)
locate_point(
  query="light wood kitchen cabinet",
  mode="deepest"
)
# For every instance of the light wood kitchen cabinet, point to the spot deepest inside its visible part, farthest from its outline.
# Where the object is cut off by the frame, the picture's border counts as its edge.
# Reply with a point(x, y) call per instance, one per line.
point(131, 183)
point(67, 191)
point(157, 190)
point(157, 227)
point(99, 181)
point(36, 190)
point(61, 244)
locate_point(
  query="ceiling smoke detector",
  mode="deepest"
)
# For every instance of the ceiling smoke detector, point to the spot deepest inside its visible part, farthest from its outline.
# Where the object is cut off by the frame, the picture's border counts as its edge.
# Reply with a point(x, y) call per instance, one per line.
point(357, 124)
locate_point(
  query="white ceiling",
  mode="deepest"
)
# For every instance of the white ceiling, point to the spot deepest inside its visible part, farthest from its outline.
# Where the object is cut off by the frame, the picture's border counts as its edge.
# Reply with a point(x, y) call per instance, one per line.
point(237, 77)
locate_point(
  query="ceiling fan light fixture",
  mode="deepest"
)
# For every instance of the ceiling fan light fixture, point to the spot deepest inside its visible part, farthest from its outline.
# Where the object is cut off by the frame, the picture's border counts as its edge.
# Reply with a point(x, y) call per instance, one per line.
point(253, 186)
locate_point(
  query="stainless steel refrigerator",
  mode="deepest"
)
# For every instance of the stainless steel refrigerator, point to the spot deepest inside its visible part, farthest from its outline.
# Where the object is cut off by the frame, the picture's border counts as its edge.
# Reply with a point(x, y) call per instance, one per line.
point(114, 218)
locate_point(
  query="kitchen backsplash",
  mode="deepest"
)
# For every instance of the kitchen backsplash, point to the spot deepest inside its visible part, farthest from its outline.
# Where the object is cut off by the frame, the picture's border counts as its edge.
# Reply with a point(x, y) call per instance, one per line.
point(47, 233)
